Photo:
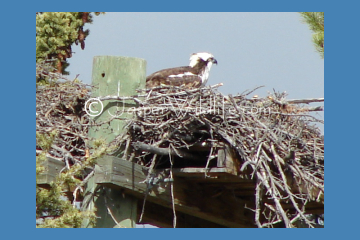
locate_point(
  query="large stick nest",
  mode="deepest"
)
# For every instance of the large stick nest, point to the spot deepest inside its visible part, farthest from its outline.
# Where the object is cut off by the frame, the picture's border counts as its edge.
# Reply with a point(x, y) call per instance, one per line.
point(60, 109)
point(277, 142)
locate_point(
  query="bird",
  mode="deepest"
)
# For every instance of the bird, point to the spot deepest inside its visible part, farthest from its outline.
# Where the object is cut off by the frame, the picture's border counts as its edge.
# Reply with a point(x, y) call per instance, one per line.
point(193, 76)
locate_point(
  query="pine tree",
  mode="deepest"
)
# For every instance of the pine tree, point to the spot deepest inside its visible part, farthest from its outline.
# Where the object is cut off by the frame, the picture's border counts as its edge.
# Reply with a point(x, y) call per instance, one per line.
point(315, 20)
point(54, 209)
point(55, 34)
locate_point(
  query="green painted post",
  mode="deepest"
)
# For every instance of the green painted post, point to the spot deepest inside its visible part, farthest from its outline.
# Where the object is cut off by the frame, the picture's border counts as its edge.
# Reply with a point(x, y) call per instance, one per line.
point(114, 76)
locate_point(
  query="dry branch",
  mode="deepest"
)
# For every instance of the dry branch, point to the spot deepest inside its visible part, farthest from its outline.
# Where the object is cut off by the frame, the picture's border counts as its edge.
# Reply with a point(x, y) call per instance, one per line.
point(309, 100)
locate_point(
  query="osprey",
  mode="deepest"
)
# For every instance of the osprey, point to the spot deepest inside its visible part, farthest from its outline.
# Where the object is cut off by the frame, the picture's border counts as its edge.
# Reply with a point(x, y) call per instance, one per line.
point(194, 75)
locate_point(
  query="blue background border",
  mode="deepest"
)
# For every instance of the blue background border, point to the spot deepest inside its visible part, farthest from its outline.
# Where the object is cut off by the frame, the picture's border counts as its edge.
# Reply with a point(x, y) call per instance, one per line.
point(342, 160)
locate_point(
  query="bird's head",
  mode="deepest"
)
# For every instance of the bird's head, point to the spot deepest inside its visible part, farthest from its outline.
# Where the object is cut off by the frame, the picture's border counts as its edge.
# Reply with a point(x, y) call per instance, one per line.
point(202, 57)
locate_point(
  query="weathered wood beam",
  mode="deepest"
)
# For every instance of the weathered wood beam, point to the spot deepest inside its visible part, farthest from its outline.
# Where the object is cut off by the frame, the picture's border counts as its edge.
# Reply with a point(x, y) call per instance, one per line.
point(52, 168)
point(197, 200)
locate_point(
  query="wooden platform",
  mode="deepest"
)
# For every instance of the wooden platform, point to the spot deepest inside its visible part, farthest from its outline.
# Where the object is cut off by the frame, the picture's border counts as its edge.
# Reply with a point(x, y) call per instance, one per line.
point(195, 195)
point(215, 197)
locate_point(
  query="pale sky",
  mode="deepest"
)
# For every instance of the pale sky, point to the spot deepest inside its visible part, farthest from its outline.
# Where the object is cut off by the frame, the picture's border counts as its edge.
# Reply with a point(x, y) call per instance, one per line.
point(252, 49)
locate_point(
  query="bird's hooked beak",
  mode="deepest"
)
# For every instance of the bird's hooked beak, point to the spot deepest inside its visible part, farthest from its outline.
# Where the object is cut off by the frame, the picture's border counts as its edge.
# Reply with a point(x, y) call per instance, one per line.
point(214, 61)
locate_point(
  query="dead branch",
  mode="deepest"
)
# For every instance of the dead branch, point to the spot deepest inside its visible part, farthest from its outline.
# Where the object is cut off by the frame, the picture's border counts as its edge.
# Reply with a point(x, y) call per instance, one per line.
point(161, 151)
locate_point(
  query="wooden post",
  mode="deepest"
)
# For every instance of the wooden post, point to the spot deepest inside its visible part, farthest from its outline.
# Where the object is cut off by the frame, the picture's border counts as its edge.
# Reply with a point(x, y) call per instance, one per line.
point(115, 76)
